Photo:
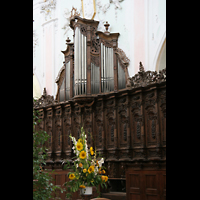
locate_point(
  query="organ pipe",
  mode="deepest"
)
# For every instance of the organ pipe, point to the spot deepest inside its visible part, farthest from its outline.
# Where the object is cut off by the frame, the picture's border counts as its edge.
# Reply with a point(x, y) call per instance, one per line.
point(121, 77)
point(107, 73)
point(102, 48)
point(67, 79)
point(80, 79)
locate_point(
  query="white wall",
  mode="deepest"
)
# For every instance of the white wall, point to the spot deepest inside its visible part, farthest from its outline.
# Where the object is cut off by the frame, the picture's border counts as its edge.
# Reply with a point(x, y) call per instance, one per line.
point(141, 24)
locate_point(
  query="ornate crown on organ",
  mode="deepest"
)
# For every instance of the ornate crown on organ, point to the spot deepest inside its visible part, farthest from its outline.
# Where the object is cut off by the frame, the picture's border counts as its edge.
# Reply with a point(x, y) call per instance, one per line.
point(93, 63)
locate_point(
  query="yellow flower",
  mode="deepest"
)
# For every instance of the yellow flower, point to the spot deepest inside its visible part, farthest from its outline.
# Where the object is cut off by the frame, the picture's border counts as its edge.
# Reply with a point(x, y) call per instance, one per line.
point(91, 151)
point(82, 186)
point(80, 165)
point(102, 178)
point(106, 178)
point(82, 155)
point(91, 169)
point(103, 171)
point(84, 170)
point(81, 141)
point(71, 176)
point(79, 146)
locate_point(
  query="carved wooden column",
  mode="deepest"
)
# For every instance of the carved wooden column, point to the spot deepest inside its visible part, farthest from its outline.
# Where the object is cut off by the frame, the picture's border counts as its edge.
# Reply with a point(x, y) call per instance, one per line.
point(88, 125)
point(67, 130)
point(162, 120)
point(40, 126)
point(49, 130)
point(123, 128)
point(99, 130)
point(111, 129)
point(88, 60)
point(76, 119)
point(152, 125)
point(137, 126)
point(57, 137)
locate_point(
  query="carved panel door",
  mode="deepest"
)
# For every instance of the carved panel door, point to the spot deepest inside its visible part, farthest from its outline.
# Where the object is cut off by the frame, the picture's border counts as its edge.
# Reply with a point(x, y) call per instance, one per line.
point(146, 184)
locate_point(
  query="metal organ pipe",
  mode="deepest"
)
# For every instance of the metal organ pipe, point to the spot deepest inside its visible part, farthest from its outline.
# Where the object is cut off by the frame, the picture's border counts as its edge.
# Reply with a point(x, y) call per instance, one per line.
point(121, 77)
point(76, 62)
point(67, 78)
point(107, 73)
point(94, 79)
point(80, 63)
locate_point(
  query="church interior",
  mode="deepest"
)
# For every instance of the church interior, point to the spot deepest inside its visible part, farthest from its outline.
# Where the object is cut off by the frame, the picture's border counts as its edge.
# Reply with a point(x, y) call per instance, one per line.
point(101, 65)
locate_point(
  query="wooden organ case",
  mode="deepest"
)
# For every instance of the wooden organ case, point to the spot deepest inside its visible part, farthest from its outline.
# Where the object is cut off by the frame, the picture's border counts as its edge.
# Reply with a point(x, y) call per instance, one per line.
point(126, 116)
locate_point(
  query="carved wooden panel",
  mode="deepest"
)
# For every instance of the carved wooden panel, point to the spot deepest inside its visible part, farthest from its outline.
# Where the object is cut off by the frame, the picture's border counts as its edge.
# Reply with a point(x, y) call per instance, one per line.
point(40, 126)
point(137, 120)
point(110, 124)
point(88, 123)
point(67, 129)
point(98, 131)
point(76, 120)
point(49, 129)
point(57, 137)
point(162, 115)
point(123, 123)
point(127, 126)
point(151, 119)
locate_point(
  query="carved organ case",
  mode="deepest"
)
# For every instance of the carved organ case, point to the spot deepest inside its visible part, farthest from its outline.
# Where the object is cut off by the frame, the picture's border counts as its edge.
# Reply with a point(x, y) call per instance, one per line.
point(93, 62)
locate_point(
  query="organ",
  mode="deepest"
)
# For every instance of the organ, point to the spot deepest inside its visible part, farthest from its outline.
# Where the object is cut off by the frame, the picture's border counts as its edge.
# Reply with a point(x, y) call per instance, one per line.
point(93, 62)
point(126, 116)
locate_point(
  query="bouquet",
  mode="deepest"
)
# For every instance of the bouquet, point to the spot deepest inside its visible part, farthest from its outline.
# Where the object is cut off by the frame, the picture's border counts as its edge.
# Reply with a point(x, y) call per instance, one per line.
point(87, 169)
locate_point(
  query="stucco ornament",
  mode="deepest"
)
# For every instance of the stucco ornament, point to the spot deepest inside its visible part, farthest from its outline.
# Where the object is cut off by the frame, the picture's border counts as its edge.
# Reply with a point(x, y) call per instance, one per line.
point(35, 41)
point(67, 15)
point(104, 8)
point(47, 6)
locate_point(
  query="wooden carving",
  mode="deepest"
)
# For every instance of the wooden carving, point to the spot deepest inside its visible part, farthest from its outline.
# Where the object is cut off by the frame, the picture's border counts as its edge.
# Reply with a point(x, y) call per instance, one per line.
point(127, 127)
point(44, 100)
point(144, 78)
point(57, 137)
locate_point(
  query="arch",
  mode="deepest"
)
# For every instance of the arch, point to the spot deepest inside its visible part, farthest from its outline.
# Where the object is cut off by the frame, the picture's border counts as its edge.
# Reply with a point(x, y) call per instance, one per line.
point(160, 52)
point(161, 61)
point(36, 88)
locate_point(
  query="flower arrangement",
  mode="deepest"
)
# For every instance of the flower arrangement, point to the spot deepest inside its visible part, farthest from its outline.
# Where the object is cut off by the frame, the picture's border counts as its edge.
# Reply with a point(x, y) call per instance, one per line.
point(87, 169)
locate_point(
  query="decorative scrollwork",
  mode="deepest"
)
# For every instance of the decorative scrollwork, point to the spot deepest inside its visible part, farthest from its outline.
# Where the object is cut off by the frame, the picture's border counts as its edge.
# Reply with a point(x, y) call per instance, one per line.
point(44, 100)
point(144, 78)
point(123, 59)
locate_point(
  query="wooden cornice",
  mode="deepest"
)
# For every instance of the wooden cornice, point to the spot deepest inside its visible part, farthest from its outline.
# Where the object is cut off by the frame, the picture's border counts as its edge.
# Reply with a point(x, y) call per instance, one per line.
point(108, 36)
point(67, 51)
point(82, 21)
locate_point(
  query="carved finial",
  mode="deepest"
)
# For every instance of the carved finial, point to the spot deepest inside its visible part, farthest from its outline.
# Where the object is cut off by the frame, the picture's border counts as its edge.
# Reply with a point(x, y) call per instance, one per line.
point(44, 92)
point(74, 12)
point(106, 26)
point(141, 67)
point(68, 40)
